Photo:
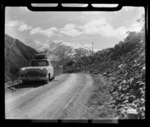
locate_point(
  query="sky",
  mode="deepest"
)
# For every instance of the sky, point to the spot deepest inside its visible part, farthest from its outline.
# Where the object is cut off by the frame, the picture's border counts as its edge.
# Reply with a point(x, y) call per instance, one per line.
point(104, 29)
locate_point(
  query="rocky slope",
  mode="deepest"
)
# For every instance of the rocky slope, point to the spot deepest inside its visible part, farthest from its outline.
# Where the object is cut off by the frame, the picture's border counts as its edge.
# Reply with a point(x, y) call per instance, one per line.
point(17, 55)
point(123, 66)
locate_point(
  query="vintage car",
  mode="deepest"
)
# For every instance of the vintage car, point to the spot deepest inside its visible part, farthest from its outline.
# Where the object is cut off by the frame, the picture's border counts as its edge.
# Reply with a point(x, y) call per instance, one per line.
point(41, 69)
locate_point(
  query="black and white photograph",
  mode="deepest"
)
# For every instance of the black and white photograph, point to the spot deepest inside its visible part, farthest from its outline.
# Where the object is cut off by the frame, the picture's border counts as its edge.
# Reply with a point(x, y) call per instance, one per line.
point(74, 65)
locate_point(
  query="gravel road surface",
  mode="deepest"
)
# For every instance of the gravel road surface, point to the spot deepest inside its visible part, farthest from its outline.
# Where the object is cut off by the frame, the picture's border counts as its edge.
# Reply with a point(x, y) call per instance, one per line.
point(64, 97)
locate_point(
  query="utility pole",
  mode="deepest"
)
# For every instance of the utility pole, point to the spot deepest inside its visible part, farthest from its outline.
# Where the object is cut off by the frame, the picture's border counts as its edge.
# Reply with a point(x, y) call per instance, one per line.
point(92, 48)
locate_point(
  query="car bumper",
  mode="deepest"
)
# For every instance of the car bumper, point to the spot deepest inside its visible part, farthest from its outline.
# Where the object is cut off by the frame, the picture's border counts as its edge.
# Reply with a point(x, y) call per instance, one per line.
point(33, 78)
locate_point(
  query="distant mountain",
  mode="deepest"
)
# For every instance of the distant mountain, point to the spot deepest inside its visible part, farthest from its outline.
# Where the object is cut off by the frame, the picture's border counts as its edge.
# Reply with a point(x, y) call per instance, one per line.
point(59, 52)
point(17, 55)
point(64, 52)
point(36, 44)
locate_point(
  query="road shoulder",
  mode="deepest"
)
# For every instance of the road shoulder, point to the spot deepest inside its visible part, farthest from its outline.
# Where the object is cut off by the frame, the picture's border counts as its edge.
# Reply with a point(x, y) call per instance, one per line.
point(91, 101)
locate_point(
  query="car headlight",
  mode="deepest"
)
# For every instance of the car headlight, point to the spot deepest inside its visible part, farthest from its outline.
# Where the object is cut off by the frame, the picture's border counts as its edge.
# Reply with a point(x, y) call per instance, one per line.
point(22, 69)
point(21, 72)
point(44, 72)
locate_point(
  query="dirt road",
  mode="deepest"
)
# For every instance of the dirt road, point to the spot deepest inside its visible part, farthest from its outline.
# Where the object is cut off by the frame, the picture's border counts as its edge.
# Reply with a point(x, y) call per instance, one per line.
point(64, 97)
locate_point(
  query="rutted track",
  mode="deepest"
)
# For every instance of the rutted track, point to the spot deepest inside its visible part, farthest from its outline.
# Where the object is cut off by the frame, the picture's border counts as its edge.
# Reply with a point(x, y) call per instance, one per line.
point(47, 101)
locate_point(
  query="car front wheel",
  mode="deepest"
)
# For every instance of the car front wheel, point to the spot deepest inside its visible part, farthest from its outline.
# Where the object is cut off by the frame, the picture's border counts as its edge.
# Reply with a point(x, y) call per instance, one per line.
point(49, 77)
point(46, 81)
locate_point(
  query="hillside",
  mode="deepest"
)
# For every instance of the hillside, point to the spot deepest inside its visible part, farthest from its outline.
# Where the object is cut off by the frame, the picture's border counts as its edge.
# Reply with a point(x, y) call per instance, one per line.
point(123, 66)
point(17, 55)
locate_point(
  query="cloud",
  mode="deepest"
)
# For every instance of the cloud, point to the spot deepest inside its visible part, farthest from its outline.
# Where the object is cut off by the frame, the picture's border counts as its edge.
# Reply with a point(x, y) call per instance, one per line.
point(88, 45)
point(70, 30)
point(10, 28)
point(50, 32)
point(10, 24)
point(47, 32)
point(19, 25)
point(24, 27)
point(37, 30)
point(136, 27)
point(93, 27)
point(105, 29)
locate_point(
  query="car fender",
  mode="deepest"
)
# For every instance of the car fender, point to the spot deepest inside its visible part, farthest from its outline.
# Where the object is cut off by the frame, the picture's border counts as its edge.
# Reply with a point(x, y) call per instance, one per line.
point(50, 70)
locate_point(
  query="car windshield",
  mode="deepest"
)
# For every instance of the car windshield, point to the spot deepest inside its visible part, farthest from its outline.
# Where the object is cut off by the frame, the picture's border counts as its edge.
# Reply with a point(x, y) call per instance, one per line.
point(39, 63)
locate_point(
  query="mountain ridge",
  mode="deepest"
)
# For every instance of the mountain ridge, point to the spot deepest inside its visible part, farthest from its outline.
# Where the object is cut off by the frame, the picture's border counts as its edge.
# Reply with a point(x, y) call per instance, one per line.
point(64, 53)
point(17, 55)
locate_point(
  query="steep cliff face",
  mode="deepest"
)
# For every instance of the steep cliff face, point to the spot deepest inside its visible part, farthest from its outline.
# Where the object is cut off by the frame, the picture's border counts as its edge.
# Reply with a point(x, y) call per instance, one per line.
point(17, 55)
